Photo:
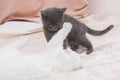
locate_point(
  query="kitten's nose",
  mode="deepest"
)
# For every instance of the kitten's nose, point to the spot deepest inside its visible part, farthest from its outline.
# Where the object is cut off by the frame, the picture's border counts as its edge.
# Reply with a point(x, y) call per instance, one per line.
point(53, 28)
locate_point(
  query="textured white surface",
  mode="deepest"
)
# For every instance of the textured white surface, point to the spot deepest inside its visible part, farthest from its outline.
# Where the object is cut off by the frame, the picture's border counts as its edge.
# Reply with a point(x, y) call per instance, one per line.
point(102, 64)
point(18, 65)
point(18, 27)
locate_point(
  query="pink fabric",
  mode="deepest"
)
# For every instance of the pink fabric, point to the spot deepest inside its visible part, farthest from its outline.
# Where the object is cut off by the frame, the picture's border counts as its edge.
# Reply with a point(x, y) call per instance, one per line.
point(30, 9)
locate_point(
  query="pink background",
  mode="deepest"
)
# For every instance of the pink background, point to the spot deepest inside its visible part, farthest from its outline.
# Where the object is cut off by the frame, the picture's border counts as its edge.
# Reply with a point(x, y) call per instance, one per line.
point(105, 7)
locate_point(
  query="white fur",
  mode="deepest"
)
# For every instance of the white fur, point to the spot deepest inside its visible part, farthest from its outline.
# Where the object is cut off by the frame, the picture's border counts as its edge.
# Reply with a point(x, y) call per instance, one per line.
point(16, 65)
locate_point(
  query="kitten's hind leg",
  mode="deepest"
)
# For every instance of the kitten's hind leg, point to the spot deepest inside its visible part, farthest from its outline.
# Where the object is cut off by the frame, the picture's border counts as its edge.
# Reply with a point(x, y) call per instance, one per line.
point(74, 45)
point(86, 43)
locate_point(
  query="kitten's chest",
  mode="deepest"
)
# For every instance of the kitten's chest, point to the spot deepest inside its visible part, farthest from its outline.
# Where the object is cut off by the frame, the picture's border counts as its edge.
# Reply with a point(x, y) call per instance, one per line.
point(49, 34)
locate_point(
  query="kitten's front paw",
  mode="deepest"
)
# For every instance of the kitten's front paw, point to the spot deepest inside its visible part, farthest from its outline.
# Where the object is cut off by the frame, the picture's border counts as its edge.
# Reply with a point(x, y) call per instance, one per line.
point(67, 25)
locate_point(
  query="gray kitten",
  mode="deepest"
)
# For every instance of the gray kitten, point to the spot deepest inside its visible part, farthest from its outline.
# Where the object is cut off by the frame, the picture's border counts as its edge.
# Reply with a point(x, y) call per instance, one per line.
point(53, 19)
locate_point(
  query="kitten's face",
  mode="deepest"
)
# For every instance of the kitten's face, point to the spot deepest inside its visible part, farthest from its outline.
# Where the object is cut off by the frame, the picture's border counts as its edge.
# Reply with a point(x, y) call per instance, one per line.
point(52, 18)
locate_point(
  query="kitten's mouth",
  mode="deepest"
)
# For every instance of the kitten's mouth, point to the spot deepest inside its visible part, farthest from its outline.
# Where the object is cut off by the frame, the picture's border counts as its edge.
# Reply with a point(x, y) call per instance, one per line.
point(52, 29)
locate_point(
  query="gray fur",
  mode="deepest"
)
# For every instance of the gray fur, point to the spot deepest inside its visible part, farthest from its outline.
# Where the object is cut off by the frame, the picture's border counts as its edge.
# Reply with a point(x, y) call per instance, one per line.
point(53, 19)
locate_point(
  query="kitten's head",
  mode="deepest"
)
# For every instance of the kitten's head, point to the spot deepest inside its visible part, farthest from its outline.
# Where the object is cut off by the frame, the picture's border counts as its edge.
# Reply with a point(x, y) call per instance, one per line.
point(52, 18)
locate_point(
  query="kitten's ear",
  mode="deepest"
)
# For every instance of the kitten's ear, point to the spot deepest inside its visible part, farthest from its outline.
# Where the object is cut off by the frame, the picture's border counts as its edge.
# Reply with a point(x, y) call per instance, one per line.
point(63, 10)
point(43, 14)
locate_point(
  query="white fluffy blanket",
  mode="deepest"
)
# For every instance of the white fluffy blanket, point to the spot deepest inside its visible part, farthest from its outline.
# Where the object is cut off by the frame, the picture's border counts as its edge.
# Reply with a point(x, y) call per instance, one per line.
point(18, 65)
point(104, 62)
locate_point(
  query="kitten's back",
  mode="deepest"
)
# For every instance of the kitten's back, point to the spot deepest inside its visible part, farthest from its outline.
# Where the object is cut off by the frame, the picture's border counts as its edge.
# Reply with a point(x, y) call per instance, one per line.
point(82, 28)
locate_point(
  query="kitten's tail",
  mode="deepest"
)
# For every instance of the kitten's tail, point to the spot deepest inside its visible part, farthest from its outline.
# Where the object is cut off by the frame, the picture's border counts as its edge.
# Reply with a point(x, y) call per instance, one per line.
point(97, 33)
